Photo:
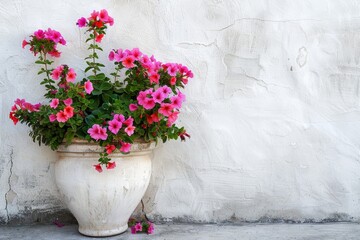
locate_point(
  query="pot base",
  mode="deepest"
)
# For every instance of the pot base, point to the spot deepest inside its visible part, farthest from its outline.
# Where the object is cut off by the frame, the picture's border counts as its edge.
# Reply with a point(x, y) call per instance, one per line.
point(103, 233)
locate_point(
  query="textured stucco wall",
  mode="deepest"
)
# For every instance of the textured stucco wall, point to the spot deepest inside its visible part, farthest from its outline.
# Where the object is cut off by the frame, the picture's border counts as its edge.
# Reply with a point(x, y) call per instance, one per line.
point(273, 110)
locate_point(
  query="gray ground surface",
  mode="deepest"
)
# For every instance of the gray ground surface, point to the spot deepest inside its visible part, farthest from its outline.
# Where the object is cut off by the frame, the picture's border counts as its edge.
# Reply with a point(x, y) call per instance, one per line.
point(346, 231)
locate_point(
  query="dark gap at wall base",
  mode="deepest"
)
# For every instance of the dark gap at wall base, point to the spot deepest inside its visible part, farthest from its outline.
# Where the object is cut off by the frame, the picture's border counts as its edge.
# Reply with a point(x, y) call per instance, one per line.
point(63, 216)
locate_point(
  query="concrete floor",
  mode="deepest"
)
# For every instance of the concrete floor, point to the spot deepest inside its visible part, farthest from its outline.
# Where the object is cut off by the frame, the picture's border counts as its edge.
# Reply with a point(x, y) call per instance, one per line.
point(343, 231)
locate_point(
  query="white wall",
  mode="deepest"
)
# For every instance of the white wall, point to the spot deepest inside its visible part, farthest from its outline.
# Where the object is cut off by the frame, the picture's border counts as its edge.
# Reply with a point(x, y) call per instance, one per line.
point(273, 110)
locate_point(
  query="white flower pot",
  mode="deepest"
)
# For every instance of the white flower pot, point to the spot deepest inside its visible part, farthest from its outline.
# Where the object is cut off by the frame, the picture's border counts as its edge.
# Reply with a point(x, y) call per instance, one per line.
point(102, 202)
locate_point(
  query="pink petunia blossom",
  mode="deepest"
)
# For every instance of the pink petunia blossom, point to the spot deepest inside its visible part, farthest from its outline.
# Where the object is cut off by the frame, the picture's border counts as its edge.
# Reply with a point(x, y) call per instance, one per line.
point(68, 101)
point(39, 34)
point(88, 87)
point(141, 97)
point(172, 81)
point(98, 168)
point(69, 111)
point(181, 96)
point(136, 53)
point(125, 147)
point(114, 126)
point(111, 56)
point(152, 118)
point(52, 117)
point(176, 101)
point(158, 96)
point(93, 15)
point(149, 104)
point(81, 22)
point(154, 78)
point(165, 89)
point(150, 228)
point(56, 73)
point(130, 130)
point(128, 62)
point(103, 15)
point(97, 132)
point(172, 118)
point(110, 21)
point(133, 107)
point(98, 38)
point(24, 43)
point(119, 117)
point(129, 121)
point(61, 116)
point(110, 149)
point(133, 230)
point(166, 109)
point(138, 227)
point(71, 75)
point(54, 103)
point(110, 165)
point(172, 70)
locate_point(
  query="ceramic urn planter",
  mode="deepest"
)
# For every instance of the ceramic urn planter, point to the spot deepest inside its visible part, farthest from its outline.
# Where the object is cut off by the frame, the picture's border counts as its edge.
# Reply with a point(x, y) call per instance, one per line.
point(102, 202)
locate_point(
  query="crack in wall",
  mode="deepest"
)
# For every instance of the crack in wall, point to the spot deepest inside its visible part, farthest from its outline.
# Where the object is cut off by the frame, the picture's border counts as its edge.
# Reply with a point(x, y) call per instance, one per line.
point(9, 184)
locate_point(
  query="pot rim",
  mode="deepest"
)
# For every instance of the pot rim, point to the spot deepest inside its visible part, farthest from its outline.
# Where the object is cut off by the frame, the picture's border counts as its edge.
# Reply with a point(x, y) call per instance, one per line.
point(83, 146)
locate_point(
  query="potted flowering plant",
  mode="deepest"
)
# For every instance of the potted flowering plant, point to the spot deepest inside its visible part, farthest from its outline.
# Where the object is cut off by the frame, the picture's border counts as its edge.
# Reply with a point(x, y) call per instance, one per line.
point(119, 118)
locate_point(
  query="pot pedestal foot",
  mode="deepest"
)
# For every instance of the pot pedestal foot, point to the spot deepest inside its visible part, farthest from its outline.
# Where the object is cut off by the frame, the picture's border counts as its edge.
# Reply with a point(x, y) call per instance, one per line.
point(102, 232)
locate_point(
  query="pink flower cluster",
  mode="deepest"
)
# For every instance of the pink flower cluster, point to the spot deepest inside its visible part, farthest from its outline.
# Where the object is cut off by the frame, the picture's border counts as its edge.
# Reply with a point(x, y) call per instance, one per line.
point(21, 104)
point(128, 59)
point(62, 115)
point(100, 133)
point(96, 21)
point(138, 227)
point(52, 37)
point(169, 108)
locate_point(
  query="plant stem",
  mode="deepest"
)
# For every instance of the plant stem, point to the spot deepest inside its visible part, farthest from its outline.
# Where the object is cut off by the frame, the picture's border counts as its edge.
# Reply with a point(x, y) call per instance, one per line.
point(94, 69)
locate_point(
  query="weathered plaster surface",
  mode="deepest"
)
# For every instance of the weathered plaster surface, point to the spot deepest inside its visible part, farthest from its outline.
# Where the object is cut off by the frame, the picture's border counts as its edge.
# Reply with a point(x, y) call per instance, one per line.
point(273, 111)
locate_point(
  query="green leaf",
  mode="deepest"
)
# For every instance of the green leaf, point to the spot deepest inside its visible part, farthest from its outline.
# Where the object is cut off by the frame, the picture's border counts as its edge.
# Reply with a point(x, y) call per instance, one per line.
point(96, 92)
point(106, 86)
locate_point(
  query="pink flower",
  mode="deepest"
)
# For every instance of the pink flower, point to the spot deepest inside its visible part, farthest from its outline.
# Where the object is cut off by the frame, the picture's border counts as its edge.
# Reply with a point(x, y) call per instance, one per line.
point(165, 89)
point(69, 111)
point(39, 34)
point(119, 117)
point(56, 73)
point(154, 78)
point(110, 165)
point(52, 117)
point(110, 21)
point(24, 43)
point(98, 167)
point(150, 228)
point(133, 107)
point(172, 118)
point(166, 109)
point(136, 53)
point(130, 130)
point(128, 62)
point(149, 103)
point(158, 96)
point(129, 121)
point(81, 22)
point(61, 116)
point(114, 126)
point(99, 38)
point(172, 70)
point(94, 15)
point(133, 230)
point(172, 81)
point(88, 87)
point(138, 227)
point(68, 101)
point(181, 96)
point(110, 149)
point(125, 147)
point(176, 101)
point(111, 56)
point(103, 15)
point(97, 132)
point(54, 103)
point(71, 75)
point(141, 97)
